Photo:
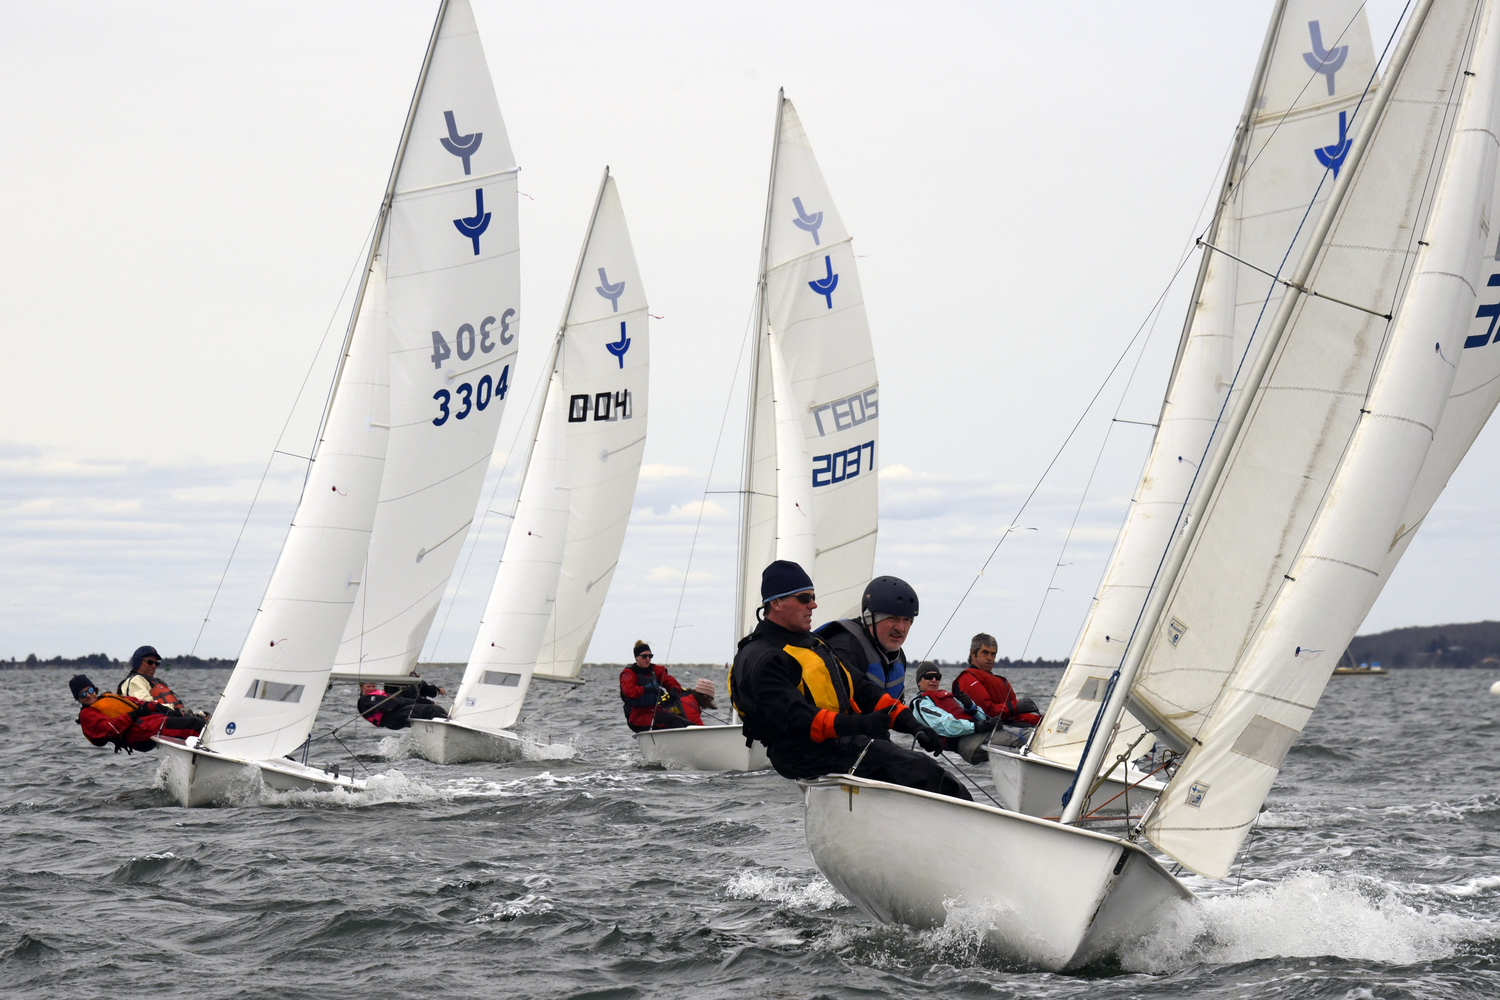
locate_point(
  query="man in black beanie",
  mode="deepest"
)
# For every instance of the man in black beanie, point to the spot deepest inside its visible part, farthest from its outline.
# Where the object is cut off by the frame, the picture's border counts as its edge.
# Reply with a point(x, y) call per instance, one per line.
point(814, 714)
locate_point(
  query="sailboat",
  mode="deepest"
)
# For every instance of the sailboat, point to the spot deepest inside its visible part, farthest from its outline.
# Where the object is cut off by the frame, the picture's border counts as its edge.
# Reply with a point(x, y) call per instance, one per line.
point(809, 491)
point(1358, 403)
point(1314, 66)
point(417, 398)
point(576, 493)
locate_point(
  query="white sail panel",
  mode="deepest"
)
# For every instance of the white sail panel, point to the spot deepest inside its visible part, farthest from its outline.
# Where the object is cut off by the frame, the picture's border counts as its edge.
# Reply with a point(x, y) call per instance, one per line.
point(1206, 812)
point(758, 516)
point(815, 315)
point(606, 375)
point(452, 303)
point(1304, 411)
point(1293, 113)
point(500, 664)
point(268, 706)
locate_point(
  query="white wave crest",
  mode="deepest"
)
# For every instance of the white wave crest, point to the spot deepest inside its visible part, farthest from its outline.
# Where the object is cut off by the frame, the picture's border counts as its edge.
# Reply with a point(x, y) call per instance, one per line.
point(513, 908)
point(795, 892)
point(1309, 915)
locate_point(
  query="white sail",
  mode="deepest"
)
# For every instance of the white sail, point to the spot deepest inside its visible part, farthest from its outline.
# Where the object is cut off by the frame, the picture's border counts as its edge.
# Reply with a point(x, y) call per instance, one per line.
point(1293, 113)
point(1207, 810)
point(606, 374)
point(268, 705)
point(811, 320)
point(1305, 407)
point(578, 487)
point(452, 302)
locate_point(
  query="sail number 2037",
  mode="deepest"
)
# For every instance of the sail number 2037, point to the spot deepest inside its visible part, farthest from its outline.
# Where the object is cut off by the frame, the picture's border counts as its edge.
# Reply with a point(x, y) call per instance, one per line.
point(470, 397)
point(842, 465)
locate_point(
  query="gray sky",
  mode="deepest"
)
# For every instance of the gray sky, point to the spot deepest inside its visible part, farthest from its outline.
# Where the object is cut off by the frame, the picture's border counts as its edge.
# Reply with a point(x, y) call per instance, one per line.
point(188, 187)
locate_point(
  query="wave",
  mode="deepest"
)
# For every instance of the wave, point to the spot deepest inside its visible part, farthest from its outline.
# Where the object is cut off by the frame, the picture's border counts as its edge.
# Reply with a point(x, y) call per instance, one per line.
point(796, 892)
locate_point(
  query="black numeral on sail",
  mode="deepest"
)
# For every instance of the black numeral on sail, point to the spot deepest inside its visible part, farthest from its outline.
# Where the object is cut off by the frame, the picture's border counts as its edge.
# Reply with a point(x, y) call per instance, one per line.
point(473, 397)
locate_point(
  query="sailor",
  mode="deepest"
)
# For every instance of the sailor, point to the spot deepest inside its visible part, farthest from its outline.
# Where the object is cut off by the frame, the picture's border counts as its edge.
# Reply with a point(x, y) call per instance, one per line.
point(814, 714)
point(962, 724)
point(993, 693)
point(143, 684)
point(654, 699)
point(874, 640)
point(129, 724)
point(395, 708)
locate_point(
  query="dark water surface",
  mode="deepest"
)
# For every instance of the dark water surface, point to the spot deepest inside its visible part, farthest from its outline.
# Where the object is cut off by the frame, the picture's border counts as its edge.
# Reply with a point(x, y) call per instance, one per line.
point(1375, 872)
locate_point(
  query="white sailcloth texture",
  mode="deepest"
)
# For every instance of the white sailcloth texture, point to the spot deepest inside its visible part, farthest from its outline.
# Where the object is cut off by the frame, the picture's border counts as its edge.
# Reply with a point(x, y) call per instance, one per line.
point(1205, 814)
point(578, 487)
point(1296, 121)
point(1307, 404)
point(268, 706)
point(812, 324)
point(452, 305)
point(606, 374)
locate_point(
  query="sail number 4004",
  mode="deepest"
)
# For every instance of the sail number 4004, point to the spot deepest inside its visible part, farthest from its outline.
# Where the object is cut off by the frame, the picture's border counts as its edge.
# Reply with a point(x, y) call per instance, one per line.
point(842, 465)
point(472, 397)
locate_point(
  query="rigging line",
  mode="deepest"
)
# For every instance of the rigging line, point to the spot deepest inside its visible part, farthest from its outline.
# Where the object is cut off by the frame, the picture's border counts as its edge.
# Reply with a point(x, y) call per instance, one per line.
point(510, 451)
point(1291, 284)
point(718, 442)
point(1095, 398)
point(276, 449)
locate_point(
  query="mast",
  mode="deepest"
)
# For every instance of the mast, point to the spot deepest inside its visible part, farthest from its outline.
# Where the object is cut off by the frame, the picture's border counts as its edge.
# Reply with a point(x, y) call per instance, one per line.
point(381, 218)
point(760, 324)
point(1296, 287)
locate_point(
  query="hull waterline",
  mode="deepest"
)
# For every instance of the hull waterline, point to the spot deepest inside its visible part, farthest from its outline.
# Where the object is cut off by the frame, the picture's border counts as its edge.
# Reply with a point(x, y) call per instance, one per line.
point(196, 776)
point(1033, 785)
point(444, 741)
point(702, 748)
point(874, 842)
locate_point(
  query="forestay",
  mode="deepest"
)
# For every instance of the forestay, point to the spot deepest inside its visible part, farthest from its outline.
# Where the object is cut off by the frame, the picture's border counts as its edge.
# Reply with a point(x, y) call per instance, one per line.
point(1314, 610)
point(578, 486)
point(1306, 405)
point(811, 449)
point(608, 364)
point(1316, 63)
point(453, 321)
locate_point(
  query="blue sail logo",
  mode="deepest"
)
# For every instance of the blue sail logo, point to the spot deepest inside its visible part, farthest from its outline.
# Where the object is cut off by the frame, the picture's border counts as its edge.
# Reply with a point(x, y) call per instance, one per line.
point(1332, 157)
point(462, 146)
point(1321, 60)
point(619, 347)
point(825, 286)
point(807, 223)
point(475, 226)
point(611, 292)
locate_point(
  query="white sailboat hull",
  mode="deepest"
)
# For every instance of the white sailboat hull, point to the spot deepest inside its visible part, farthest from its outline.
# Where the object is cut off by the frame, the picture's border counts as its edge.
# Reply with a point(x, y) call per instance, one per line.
point(702, 748)
point(883, 847)
point(199, 777)
point(444, 741)
point(1025, 783)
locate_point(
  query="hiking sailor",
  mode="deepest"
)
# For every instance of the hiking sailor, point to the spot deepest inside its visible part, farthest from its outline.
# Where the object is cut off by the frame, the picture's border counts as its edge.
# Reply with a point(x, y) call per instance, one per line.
point(874, 640)
point(962, 724)
point(143, 684)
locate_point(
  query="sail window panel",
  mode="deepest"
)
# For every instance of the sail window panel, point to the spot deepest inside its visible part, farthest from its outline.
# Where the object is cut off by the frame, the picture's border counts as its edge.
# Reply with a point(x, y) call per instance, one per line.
point(275, 691)
point(1093, 689)
point(1266, 741)
point(501, 678)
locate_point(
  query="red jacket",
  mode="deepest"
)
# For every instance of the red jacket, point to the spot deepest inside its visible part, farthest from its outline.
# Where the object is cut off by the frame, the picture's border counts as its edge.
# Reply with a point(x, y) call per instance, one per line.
point(642, 697)
point(108, 721)
point(994, 694)
point(948, 703)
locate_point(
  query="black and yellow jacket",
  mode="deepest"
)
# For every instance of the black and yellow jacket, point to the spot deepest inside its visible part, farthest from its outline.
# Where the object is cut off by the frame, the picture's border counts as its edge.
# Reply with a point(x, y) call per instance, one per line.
point(791, 686)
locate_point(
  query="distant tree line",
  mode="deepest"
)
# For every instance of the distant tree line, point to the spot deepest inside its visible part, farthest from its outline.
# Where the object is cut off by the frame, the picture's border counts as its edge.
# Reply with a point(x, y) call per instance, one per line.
point(104, 662)
point(1475, 645)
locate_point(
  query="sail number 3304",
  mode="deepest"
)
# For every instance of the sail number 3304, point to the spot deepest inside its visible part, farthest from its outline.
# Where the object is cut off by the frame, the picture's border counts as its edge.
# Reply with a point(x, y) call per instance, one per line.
point(842, 465)
point(470, 397)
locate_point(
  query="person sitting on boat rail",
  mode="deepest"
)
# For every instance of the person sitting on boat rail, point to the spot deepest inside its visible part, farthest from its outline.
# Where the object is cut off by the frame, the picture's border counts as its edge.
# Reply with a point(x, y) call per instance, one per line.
point(962, 724)
point(992, 692)
point(142, 682)
point(654, 699)
point(815, 715)
point(129, 724)
point(395, 708)
point(886, 611)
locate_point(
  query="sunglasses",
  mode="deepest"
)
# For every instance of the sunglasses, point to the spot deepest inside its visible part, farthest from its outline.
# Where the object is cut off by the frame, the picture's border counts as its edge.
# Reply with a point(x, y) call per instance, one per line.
point(930, 677)
point(804, 597)
point(150, 663)
point(644, 656)
point(86, 691)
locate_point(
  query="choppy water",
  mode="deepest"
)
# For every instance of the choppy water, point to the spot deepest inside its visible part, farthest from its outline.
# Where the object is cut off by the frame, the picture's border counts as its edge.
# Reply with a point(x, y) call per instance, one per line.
point(1374, 873)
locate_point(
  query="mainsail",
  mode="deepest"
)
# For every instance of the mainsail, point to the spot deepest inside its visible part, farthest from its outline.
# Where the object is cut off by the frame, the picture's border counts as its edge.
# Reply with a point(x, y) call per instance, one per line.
point(1315, 66)
point(1445, 113)
point(453, 294)
point(439, 261)
point(578, 486)
point(810, 491)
